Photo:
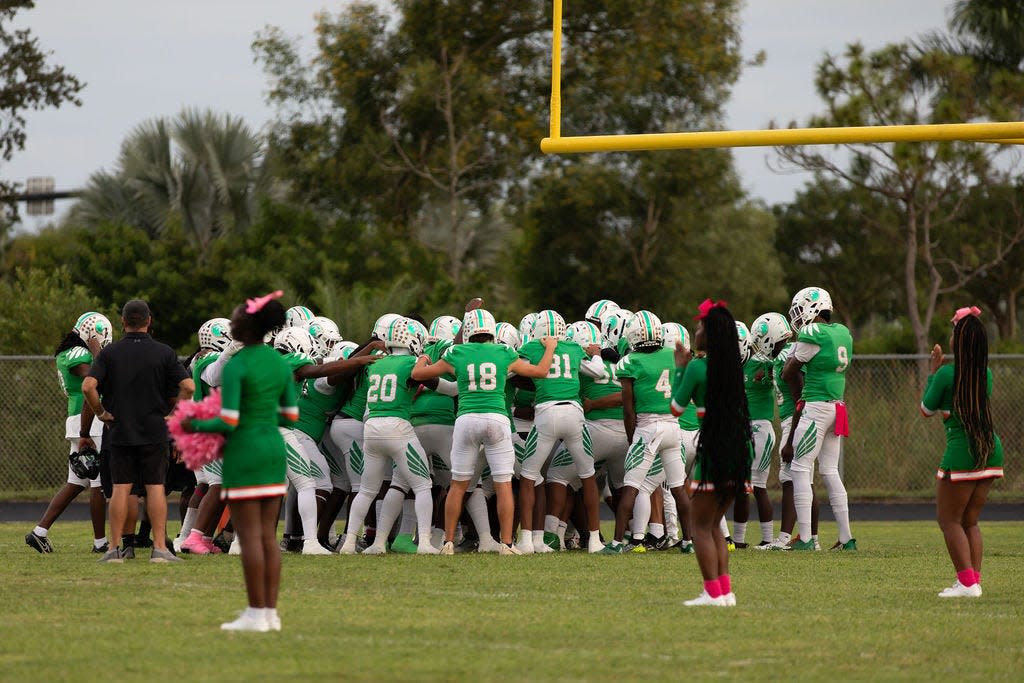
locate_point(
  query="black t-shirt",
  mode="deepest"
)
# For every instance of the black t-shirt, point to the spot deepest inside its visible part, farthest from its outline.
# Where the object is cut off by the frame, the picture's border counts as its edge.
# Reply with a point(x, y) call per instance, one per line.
point(137, 377)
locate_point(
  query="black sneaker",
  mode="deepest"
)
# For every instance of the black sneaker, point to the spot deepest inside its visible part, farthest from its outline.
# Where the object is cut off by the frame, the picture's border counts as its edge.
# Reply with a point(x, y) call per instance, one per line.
point(40, 543)
point(143, 541)
point(651, 541)
point(219, 541)
point(128, 552)
point(740, 546)
point(102, 549)
point(667, 543)
point(291, 545)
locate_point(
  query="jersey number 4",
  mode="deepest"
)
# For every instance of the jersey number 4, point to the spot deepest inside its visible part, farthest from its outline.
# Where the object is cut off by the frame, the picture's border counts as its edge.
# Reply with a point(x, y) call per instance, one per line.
point(664, 385)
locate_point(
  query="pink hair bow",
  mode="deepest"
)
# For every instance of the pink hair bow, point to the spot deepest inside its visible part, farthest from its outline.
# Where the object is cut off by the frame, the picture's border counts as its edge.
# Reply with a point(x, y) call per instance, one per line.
point(962, 313)
point(706, 306)
point(255, 305)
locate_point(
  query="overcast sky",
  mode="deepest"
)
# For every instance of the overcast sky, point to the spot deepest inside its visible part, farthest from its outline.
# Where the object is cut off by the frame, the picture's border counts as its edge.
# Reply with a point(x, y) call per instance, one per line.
point(146, 59)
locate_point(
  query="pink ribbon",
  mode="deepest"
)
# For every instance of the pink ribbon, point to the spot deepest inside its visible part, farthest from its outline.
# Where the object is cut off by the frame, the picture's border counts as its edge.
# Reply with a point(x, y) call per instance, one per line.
point(255, 305)
point(706, 306)
point(962, 313)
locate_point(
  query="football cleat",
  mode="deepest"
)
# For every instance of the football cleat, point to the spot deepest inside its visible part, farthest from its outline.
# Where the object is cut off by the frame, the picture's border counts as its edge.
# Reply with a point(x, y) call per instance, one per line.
point(803, 545)
point(613, 548)
point(40, 543)
point(849, 545)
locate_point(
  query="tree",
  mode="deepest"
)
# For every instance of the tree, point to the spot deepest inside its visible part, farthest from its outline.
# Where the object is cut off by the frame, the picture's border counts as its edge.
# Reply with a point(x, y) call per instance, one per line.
point(38, 307)
point(201, 169)
point(27, 81)
point(923, 186)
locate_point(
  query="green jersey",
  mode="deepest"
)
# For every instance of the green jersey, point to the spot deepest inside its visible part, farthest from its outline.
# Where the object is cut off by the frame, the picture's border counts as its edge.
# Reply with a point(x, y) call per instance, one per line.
point(562, 382)
point(70, 383)
point(430, 407)
point(316, 408)
point(787, 406)
point(691, 385)
point(652, 380)
point(202, 389)
point(760, 394)
point(481, 370)
point(825, 373)
point(388, 393)
point(599, 388)
point(355, 406)
point(689, 421)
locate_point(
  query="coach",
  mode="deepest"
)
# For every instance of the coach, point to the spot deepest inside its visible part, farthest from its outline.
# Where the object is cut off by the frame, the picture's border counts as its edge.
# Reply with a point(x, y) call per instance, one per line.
point(139, 379)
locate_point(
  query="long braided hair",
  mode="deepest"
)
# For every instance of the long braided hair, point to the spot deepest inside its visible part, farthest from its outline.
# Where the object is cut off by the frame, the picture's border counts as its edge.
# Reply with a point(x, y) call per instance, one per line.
point(970, 387)
point(724, 443)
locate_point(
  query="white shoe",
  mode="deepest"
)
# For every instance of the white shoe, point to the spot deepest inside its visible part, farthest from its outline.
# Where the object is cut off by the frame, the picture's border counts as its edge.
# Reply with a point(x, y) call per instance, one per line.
point(448, 548)
point(313, 547)
point(542, 548)
point(705, 599)
point(729, 599)
point(427, 549)
point(779, 545)
point(348, 548)
point(509, 550)
point(274, 622)
point(176, 544)
point(376, 549)
point(525, 548)
point(958, 590)
point(236, 547)
point(247, 622)
point(488, 545)
point(817, 546)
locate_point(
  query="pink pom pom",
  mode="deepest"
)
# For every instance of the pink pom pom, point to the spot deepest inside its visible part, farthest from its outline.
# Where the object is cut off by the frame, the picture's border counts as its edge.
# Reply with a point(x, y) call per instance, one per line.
point(197, 448)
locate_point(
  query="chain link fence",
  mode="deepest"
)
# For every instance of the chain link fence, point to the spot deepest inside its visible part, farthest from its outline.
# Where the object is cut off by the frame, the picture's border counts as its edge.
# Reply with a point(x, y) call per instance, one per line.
point(891, 452)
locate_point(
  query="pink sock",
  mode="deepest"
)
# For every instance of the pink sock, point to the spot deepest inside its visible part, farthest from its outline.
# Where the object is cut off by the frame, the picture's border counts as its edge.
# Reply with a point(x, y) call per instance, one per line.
point(725, 584)
point(977, 576)
point(967, 577)
point(713, 588)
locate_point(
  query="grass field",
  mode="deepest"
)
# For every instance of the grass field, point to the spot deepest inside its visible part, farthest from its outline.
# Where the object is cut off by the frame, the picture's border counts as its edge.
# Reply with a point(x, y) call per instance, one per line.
point(873, 614)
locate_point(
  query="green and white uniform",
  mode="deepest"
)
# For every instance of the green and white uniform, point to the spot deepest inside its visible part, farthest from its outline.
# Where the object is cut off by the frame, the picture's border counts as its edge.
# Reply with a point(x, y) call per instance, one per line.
point(481, 371)
point(958, 462)
point(305, 471)
point(657, 431)
point(346, 432)
point(761, 403)
point(558, 413)
point(258, 394)
point(433, 418)
point(786, 406)
point(71, 385)
point(212, 473)
point(318, 402)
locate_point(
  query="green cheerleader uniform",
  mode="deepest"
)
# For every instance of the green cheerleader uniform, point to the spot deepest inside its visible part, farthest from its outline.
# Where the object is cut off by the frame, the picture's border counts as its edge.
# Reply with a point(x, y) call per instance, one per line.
point(257, 395)
point(958, 462)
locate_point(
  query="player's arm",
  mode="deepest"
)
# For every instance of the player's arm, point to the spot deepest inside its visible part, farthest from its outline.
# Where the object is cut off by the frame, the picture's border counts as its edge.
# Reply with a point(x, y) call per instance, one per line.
point(424, 370)
point(684, 382)
point(342, 368)
point(524, 368)
point(793, 376)
point(593, 366)
point(628, 407)
point(608, 401)
point(230, 399)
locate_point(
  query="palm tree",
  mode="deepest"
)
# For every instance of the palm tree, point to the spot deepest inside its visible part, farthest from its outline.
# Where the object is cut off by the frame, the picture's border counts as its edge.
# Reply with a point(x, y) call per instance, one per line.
point(202, 169)
point(992, 30)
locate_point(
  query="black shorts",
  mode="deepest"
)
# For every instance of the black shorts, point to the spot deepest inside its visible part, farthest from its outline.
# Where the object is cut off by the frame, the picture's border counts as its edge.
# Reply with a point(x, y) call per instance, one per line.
point(146, 464)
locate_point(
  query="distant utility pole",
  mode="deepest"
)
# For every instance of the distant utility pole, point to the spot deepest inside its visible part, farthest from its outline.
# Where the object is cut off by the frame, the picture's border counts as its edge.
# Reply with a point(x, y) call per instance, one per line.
point(39, 196)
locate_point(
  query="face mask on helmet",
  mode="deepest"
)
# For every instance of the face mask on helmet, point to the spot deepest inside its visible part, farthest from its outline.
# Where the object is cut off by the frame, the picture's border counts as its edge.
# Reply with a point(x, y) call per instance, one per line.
point(614, 327)
point(767, 332)
point(643, 331)
point(93, 325)
point(294, 340)
point(215, 334)
point(807, 305)
point(599, 310)
point(743, 335)
point(325, 334)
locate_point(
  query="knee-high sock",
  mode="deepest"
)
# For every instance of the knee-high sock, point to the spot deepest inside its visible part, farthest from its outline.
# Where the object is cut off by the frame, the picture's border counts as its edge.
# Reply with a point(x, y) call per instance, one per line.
point(389, 511)
point(802, 497)
point(476, 506)
point(188, 522)
point(289, 518)
point(424, 505)
point(641, 514)
point(840, 504)
point(671, 515)
point(723, 526)
point(408, 525)
point(357, 515)
point(307, 513)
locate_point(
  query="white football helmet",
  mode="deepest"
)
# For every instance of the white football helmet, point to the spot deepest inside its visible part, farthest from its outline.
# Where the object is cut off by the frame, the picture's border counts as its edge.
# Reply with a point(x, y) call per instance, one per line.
point(548, 324)
point(444, 328)
point(744, 336)
point(294, 340)
point(405, 334)
point(325, 334)
point(508, 335)
point(380, 328)
point(768, 330)
point(599, 310)
point(94, 325)
point(478, 322)
point(614, 326)
point(526, 327)
point(584, 333)
point(673, 332)
point(643, 330)
point(344, 349)
point(298, 316)
point(807, 304)
point(215, 334)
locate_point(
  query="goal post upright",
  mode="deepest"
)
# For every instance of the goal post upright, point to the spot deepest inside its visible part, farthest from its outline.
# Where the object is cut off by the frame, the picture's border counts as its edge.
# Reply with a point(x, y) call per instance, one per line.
point(556, 72)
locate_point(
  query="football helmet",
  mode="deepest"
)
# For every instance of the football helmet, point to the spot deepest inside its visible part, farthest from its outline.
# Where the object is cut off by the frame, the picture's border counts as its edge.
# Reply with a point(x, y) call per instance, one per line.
point(614, 326)
point(744, 336)
point(380, 328)
point(405, 334)
point(93, 324)
point(768, 330)
point(526, 327)
point(507, 334)
point(478, 322)
point(444, 328)
point(807, 304)
point(85, 463)
point(215, 334)
point(294, 340)
point(325, 334)
point(298, 316)
point(548, 324)
point(673, 332)
point(643, 330)
point(344, 349)
point(599, 310)
point(584, 333)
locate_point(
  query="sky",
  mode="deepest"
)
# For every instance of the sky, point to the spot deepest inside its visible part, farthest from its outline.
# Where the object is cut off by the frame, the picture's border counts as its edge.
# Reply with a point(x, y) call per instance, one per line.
point(146, 59)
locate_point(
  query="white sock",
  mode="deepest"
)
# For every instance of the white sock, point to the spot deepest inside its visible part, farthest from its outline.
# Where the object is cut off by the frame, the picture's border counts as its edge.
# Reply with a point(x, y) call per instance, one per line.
point(551, 524)
point(840, 504)
point(188, 522)
point(657, 530)
point(802, 497)
point(476, 505)
point(307, 513)
point(408, 525)
point(766, 532)
point(526, 538)
point(641, 514)
point(784, 537)
point(562, 526)
point(424, 506)
point(538, 537)
point(356, 517)
point(99, 542)
point(389, 511)
point(739, 532)
point(723, 526)
point(40, 531)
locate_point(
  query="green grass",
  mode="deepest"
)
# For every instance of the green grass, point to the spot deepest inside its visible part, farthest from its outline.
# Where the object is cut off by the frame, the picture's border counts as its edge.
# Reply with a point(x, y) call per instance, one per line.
point(873, 614)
